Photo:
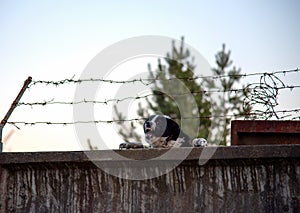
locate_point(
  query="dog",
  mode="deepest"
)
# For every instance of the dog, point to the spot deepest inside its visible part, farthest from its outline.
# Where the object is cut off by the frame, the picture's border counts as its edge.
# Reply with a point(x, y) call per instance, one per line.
point(163, 132)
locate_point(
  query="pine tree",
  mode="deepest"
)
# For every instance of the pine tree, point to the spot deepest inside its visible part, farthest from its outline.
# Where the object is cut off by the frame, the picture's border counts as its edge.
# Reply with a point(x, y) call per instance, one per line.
point(231, 102)
point(178, 64)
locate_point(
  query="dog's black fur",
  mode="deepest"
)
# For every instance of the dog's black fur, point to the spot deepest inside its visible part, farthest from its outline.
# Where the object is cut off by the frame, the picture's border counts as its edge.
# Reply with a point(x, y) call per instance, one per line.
point(161, 132)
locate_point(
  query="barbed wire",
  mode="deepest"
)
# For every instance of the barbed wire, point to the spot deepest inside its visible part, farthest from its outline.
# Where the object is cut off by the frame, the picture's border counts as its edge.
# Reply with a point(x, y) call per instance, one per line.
point(237, 115)
point(251, 87)
point(148, 81)
point(262, 95)
point(265, 95)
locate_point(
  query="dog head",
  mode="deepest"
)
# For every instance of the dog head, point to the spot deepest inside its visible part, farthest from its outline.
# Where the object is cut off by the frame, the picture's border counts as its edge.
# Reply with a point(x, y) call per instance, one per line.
point(161, 129)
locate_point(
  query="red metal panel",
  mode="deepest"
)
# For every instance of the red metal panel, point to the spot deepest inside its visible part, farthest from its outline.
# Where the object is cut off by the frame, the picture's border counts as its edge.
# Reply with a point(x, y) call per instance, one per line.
point(264, 132)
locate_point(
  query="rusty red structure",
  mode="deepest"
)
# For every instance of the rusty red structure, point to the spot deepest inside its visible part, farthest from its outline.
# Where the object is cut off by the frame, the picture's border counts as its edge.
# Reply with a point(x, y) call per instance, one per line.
point(260, 132)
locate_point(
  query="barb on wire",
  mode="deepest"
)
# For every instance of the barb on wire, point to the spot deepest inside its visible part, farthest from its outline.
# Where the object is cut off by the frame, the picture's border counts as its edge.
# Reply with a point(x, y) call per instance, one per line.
point(148, 81)
point(262, 97)
point(238, 115)
point(261, 93)
point(78, 81)
point(265, 94)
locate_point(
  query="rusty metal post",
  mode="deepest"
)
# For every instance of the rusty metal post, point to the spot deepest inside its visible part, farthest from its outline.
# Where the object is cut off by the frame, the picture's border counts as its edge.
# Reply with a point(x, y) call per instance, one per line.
point(11, 109)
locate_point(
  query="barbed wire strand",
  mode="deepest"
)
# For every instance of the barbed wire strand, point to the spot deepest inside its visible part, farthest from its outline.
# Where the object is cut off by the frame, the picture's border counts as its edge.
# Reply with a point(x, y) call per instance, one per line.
point(256, 113)
point(117, 100)
point(148, 81)
point(264, 94)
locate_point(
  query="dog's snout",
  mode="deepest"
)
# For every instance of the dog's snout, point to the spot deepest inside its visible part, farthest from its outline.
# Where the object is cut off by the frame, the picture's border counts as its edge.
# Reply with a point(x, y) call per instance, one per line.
point(149, 126)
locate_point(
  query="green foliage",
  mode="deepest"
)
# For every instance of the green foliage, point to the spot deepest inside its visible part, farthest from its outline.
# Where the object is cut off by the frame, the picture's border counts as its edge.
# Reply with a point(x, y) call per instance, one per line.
point(230, 102)
point(179, 65)
point(129, 133)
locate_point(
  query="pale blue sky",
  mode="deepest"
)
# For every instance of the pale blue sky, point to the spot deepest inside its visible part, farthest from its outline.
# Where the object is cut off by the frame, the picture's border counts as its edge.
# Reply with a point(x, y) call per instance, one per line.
point(52, 40)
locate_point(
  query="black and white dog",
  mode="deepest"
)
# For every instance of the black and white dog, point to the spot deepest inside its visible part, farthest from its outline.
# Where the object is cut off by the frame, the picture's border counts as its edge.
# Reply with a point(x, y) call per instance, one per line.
point(163, 132)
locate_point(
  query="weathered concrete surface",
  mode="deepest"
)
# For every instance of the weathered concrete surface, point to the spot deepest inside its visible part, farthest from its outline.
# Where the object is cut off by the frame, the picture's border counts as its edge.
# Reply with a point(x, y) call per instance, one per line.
point(235, 179)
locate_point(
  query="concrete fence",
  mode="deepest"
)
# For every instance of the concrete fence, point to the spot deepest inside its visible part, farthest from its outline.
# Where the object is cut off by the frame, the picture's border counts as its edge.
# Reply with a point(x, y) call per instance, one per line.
point(263, 178)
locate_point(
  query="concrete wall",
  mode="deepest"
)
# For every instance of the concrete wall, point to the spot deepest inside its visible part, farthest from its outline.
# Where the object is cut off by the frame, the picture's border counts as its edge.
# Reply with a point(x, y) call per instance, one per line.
point(235, 179)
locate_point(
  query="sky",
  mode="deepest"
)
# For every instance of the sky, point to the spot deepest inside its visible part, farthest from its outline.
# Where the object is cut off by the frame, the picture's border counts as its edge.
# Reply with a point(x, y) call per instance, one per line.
point(54, 40)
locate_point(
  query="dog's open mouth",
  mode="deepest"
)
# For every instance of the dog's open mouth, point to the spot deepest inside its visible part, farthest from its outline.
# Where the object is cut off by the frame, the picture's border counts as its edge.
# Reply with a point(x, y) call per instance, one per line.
point(148, 129)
